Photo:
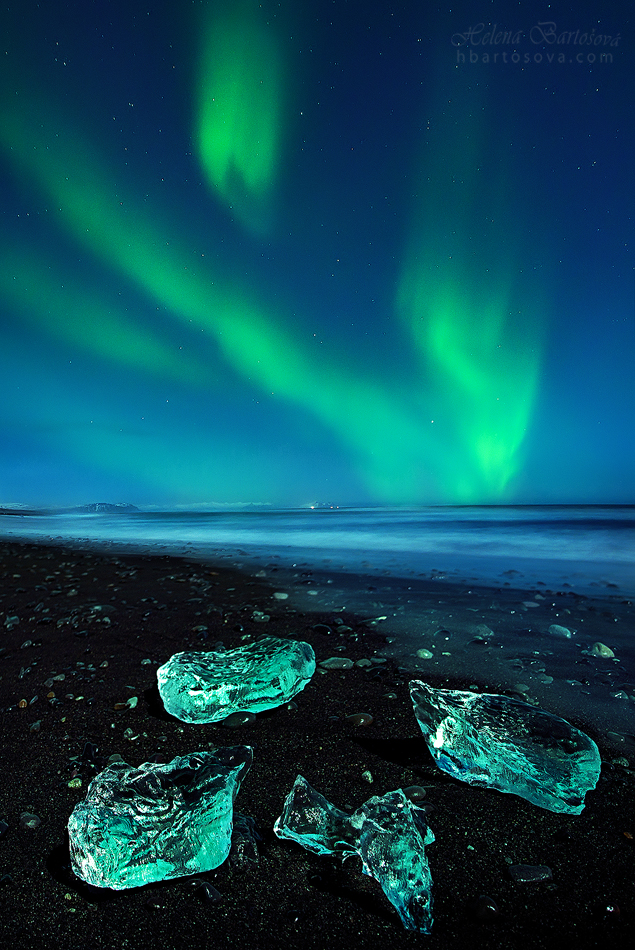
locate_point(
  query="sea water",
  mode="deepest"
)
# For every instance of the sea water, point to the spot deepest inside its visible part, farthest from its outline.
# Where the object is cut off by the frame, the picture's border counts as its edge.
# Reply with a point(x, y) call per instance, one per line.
point(586, 547)
point(464, 595)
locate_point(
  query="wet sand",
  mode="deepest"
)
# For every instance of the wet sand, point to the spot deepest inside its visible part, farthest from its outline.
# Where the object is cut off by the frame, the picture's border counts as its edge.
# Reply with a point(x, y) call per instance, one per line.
point(151, 607)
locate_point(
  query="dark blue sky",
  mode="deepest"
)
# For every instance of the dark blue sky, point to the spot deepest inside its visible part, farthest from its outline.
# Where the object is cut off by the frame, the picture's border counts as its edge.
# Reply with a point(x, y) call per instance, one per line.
point(347, 252)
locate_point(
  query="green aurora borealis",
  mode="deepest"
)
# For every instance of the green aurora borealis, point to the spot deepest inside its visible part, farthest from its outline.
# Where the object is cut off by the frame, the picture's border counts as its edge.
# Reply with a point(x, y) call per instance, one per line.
point(240, 309)
point(240, 108)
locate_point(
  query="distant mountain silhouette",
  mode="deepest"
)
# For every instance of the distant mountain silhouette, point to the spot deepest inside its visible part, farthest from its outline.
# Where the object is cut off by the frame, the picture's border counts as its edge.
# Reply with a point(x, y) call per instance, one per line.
point(104, 507)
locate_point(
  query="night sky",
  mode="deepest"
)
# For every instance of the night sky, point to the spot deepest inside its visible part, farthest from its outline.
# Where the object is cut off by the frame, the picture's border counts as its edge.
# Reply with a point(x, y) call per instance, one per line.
point(299, 252)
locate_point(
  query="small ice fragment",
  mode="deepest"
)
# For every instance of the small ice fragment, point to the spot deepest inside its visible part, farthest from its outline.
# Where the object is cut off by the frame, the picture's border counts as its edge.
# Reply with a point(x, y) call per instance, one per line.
point(158, 821)
point(208, 687)
point(388, 832)
point(503, 743)
point(280, 595)
point(484, 631)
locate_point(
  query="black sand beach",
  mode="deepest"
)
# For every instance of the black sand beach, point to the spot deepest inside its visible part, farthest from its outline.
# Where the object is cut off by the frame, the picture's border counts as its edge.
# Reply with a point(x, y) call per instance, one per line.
point(94, 620)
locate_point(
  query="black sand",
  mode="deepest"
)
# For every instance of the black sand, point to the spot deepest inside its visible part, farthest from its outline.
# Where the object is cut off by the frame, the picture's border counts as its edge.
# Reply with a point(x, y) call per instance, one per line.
point(151, 607)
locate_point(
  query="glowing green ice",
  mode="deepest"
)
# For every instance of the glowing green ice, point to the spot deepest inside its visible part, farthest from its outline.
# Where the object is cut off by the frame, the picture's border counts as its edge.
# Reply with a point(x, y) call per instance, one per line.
point(499, 742)
point(388, 833)
point(157, 822)
point(208, 687)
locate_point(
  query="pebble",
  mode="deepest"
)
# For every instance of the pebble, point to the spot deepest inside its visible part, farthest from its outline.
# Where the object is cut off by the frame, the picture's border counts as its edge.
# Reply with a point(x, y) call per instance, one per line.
point(237, 719)
point(280, 595)
point(367, 776)
point(363, 663)
point(3, 828)
point(607, 911)
point(259, 617)
point(75, 782)
point(484, 908)
point(601, 649)
point(155, 902)
point(27, 643)
point(415, 793)
point(557, 631)
point(35, 726)
point(22, 704)
point(526, 873)
point(89, 752)
point(205, 891)
point(27, 820)
point(129, 704)
point(621, 738)
point(359, 719)
point(337, 663)
point(321, 628)
point(425, 654)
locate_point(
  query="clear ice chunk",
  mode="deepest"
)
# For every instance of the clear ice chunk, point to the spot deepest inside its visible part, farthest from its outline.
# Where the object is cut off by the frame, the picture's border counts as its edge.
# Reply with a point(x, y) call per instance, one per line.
point(388, 832)
point(158, 821)
point(499, 742)
point(209, 686)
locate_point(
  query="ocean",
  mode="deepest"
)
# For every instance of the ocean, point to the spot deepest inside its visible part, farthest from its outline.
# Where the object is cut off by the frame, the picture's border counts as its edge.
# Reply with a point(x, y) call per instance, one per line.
point(497, 598)
point(585, 547)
